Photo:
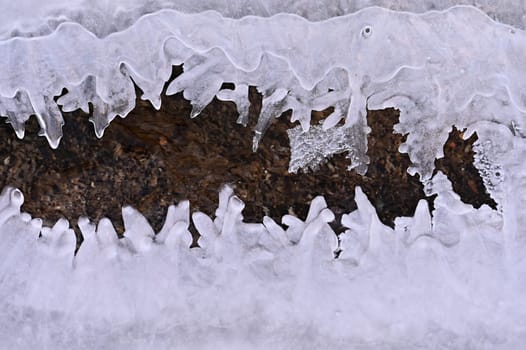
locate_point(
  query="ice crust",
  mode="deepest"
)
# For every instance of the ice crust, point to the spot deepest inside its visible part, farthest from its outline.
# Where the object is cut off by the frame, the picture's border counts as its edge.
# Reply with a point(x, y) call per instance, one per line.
point(30, 18)
point(427, 65)
point(453, 280)
point(450, 279)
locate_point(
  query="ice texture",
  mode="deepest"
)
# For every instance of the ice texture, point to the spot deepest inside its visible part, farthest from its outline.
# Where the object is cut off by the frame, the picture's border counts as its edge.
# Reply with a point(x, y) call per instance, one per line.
point(31, 18)
point(426, 65)
point(311, 148)
point(450, 279)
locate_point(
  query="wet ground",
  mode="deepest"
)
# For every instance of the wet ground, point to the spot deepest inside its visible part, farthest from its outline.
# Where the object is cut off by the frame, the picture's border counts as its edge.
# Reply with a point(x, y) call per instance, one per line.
point(153, 158)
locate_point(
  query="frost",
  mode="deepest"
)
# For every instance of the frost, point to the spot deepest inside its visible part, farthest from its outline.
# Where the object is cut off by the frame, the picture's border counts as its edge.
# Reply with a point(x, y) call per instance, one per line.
point(310, 149)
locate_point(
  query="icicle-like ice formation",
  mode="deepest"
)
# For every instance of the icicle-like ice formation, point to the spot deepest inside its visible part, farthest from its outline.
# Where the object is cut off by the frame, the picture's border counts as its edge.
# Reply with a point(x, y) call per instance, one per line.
point(453, 280)
point(101, 17)
point(427, 65)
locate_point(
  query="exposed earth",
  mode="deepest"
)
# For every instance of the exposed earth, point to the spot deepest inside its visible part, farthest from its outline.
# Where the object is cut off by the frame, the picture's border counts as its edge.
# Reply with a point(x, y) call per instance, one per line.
point(152, 159)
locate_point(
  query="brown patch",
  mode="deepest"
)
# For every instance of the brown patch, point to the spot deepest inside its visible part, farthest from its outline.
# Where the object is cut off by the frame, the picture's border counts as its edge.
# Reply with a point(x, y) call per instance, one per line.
point(457, 164)
point(155, 158)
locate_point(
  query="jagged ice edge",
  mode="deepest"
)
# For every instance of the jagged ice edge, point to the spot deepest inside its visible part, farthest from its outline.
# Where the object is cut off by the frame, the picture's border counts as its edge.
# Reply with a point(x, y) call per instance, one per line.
point(426, 65)
point(455, 278)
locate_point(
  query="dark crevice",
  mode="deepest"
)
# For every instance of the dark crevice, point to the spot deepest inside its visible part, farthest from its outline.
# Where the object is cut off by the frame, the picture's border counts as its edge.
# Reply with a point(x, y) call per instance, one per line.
point(152, 159)
point(388, 185)
point(458, 165)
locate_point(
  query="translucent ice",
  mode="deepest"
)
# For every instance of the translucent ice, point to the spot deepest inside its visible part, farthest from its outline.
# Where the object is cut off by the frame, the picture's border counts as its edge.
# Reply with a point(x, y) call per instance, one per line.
point(427, 65)
point(454, 279)
point(31, 18)
point(311, 148)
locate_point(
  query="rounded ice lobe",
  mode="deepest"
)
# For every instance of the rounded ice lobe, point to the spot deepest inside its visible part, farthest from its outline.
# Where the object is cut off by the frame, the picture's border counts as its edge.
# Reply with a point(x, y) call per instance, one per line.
point(17, 198)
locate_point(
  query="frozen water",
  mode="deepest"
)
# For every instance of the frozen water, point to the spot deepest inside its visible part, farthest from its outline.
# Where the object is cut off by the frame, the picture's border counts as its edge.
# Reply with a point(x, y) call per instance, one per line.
point(102, 17)
point(450, 280)
point(311, 148)
point(427, 65)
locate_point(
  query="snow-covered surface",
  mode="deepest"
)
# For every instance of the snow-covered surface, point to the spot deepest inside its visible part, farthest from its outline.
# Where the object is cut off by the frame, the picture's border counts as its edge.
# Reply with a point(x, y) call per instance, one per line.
point(453, 280)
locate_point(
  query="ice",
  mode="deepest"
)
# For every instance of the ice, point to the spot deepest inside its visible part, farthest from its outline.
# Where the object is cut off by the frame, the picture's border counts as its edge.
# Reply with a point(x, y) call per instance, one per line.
point(311, 148)
point(453, 278)
point(239, 96)
point(175, 229)
point(58, 241)
point(30, 18)
point(367, 239)
point(137, 231)
point(427, 65)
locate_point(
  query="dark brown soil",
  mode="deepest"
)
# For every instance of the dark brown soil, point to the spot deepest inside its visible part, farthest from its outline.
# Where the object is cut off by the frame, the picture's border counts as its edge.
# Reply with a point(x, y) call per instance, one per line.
point(154, 158)
point(457, 163)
